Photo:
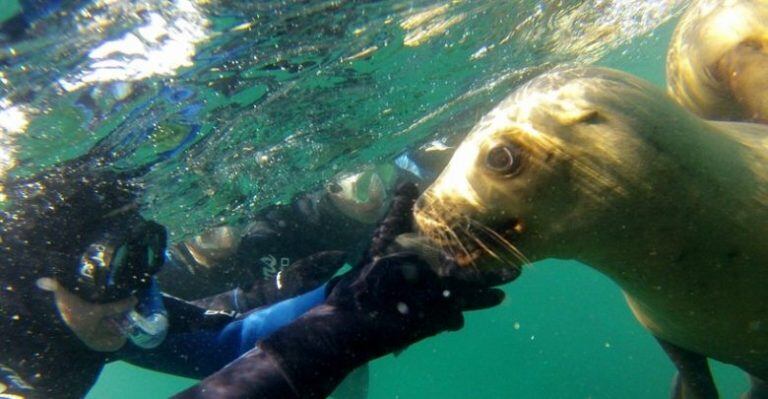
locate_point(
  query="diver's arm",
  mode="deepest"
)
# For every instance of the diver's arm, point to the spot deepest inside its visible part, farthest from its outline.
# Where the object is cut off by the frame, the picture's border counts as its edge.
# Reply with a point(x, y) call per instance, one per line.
point(256, 374)
point(389, 304)
point(200, 342)
point(300, 277)
point(185, 316)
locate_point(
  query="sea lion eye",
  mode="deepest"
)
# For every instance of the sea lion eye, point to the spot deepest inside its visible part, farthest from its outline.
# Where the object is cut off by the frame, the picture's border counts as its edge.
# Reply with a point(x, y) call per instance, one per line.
point(504, 160)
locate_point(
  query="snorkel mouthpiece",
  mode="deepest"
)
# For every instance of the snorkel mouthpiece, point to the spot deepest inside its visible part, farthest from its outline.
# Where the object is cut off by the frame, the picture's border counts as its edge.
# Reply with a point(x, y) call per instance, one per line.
point(146, 332)
point(147, 325)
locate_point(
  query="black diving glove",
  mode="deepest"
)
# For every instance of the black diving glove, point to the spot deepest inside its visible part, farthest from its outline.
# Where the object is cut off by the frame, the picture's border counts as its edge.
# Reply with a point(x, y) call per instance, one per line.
point(393, 302)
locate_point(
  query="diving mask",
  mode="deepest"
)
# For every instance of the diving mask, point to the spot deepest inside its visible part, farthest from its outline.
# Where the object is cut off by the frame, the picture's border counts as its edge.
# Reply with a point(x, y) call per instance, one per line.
point(120, 262)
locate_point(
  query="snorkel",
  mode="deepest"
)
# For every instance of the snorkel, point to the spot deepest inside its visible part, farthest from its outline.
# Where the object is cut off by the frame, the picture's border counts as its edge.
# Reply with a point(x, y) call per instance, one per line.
point(147, 324)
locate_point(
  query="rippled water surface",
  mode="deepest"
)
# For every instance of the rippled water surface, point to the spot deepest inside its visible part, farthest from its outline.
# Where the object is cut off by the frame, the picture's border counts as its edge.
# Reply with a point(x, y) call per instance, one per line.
point(245, 103)
point(239, 105)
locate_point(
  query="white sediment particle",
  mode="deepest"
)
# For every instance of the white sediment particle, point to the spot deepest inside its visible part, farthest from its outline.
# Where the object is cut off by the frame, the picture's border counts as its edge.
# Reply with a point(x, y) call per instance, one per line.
point(402, 308)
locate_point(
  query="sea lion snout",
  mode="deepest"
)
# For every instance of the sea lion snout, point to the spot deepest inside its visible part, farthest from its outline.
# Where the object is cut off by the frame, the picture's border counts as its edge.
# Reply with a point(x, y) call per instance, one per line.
point(445, 223)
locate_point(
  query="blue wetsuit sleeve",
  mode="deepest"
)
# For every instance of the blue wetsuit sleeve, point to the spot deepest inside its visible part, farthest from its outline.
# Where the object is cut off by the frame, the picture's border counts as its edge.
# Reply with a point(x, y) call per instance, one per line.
point(198, 353)
point(240, 336)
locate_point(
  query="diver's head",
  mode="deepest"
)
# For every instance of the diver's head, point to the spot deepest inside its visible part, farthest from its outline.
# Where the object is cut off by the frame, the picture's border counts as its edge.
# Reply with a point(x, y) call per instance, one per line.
point(363, 195)
point(214, 246)
point(96, 294)
point(119, 260)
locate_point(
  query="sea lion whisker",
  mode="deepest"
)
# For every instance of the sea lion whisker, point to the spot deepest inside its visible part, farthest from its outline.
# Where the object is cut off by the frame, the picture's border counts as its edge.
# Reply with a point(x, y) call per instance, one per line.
point(432, 224)
point(447, 238)
point(441, 231)
point(443, 238)
point(482, 245)
point(505, 243)
point(460, 245)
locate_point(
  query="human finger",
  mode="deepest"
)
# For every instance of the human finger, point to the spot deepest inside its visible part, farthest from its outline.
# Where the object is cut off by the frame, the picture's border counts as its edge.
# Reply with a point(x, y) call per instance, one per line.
point(477, 277)
point(476, 299)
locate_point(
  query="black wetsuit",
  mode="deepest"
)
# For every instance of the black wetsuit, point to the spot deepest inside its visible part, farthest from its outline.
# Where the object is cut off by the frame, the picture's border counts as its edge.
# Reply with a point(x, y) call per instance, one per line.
point(42, 229)
point(280, 236)
point(41, 358)
point(47, 222)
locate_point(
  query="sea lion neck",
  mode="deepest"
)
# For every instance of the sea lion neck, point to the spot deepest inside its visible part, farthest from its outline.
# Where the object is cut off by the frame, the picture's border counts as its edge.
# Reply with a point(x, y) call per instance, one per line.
point(708, 156)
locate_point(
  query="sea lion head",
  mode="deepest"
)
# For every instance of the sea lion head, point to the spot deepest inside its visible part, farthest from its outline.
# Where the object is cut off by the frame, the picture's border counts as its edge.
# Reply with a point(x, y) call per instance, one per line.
point(555, 168)
point(717, 62)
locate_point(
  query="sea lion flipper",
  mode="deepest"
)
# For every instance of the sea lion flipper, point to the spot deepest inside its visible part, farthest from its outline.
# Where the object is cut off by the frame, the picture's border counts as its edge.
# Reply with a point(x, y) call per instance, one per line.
point(694, 379)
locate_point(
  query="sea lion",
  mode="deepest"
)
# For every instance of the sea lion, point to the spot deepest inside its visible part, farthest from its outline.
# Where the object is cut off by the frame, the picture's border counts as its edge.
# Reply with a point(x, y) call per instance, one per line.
point(717, 63)
point(596, 165)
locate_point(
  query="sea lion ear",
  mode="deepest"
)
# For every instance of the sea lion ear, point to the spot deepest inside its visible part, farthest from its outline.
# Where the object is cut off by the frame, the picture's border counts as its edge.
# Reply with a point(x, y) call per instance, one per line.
point(574, 117)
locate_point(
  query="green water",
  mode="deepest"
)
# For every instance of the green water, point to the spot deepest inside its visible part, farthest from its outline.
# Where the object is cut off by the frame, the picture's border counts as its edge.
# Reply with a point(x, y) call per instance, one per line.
point(564, 331)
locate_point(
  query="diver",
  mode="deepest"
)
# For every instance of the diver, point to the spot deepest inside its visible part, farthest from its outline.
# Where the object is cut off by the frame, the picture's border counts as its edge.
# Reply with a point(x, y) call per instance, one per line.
point(78, 291)
point(245, 261)
point(77, 272)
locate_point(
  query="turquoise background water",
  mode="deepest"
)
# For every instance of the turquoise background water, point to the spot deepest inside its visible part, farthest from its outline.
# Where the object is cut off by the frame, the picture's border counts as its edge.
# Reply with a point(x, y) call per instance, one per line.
point(564, 330)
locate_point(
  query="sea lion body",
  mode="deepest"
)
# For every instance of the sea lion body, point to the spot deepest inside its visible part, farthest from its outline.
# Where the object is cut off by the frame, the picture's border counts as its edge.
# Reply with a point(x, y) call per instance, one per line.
point(717, 63)
point(608, 170)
